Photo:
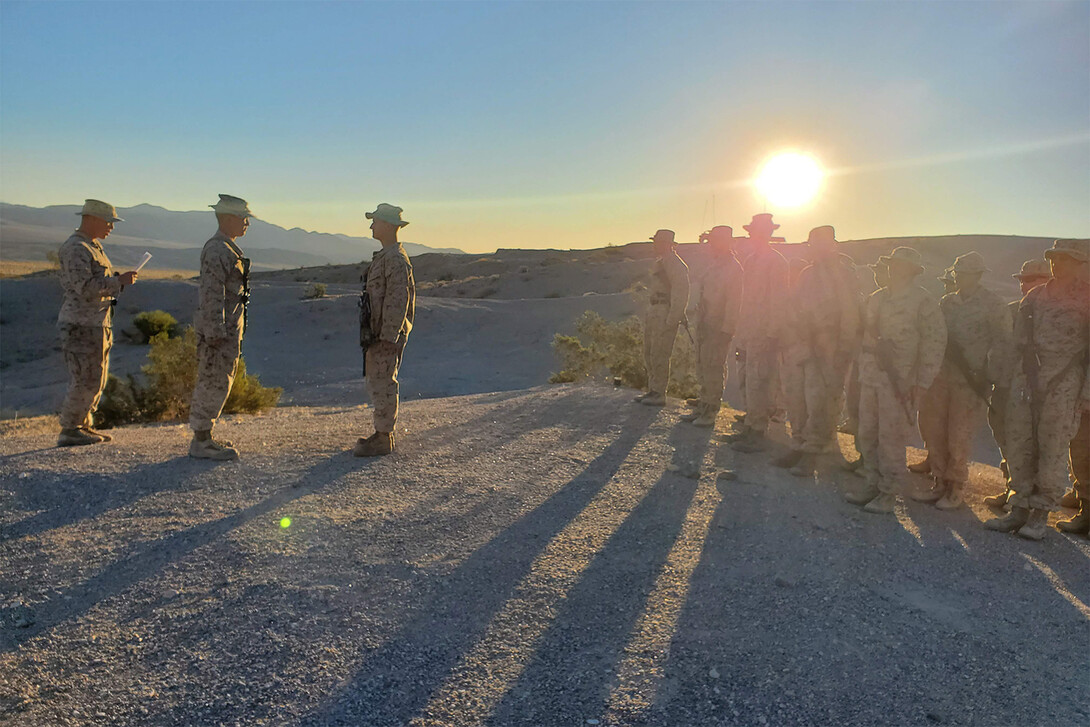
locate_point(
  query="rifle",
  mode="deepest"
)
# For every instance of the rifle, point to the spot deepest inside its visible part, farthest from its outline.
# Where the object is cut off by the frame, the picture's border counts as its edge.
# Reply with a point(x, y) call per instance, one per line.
point(685, 322)
point(245, 297)
point(367, 337)
point(977, 381)
point(883, 354)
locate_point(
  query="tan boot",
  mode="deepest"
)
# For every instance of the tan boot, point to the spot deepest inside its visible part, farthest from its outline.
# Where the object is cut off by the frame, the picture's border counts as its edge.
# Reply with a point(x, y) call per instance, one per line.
point(693, 415)
point(1070, 499)
point(380, 443)
point(998, 501)
point(753, 441)
point(788, 460)
point(211, 449)
point(1036, 525)
point(76, 438)
point(1010, 522)
point(921, 468)
point(101, 435)
point(862, 495)
point(654, 399)
point(1078, 525)
point(952, 499)
point(707, 419)
point(929, 492)
point(883, 504)
point(806, 466)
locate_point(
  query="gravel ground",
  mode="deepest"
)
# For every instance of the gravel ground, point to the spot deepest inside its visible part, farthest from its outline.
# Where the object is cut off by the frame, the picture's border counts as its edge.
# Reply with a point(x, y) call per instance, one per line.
point(551, 556)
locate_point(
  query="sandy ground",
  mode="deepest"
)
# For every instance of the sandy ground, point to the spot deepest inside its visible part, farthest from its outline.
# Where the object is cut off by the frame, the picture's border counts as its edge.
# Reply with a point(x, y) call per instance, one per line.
point(552, 556)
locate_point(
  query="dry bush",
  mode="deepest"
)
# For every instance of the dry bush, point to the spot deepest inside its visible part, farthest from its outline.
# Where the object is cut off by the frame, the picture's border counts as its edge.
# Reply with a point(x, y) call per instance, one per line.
point(602, 349)
point(152, 323)
point(315, 291)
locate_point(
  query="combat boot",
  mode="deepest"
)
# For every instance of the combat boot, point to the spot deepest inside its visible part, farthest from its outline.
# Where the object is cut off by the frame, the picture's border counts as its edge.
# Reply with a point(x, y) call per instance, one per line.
point(753, 441)
point(806, 466)
point(707, 419)
point(101, 435)
point(1078, 525)
point(376, 445)
point(1010, 522)
point(788, 459)
point(952, 500)
point(211, 449)
point(921, 468)
point(853, 466)
point(654, 399)
point(641, 397)
point(1036, 526)
point(862, 495)
point(76, 438)
point(930, 492)
point(693, 415)
point(882, 505)
point(1070, 499)
point(736, 436)
point(998, 501)
point(693, 402)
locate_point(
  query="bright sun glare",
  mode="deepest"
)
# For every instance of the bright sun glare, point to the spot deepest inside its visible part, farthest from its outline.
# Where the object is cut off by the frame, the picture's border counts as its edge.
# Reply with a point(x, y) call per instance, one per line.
point(789, 179)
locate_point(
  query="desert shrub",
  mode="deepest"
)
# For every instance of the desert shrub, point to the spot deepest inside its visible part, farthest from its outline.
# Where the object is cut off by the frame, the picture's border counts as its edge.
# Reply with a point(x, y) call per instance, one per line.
point(54, 259)
point(152, 323)
point(445, 277)
point(317, 290)
point(605, 349)
point(169, 378)
point(487, 292)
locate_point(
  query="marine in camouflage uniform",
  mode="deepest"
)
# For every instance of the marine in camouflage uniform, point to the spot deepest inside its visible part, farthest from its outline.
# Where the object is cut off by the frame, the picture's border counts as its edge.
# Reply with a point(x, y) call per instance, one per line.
point(825, 331)
point(220, 325)
point(1049, 390)
point(953, 409)
point(85, 322)
point(761, 322)
point(904, 337)
point(1032, 274)
point(391, 294)
point(718, 294)
point(669, 296)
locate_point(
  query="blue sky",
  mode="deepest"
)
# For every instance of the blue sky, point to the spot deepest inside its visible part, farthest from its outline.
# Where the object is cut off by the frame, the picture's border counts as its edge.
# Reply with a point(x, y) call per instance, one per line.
point(555, 124)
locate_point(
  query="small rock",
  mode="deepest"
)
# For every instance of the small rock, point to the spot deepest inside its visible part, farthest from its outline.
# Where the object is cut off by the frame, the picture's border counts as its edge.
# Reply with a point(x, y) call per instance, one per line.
point(673, 467)
point(169, 594)
point(713, 673)
point(592, 721)
point(727, 475)
point(783, 582)
point(24, 622)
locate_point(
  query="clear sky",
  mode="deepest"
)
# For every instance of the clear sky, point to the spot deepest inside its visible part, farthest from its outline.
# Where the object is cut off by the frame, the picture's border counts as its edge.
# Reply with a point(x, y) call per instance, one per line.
point(555, 124)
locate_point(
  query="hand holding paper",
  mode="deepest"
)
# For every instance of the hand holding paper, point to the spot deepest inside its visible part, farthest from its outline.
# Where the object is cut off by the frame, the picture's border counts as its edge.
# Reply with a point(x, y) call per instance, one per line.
point(143, 261)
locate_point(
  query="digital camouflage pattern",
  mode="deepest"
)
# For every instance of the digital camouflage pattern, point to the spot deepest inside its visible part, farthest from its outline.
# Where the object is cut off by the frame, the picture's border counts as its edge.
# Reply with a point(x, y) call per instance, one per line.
point(86, 351)
point(392, 292)
point(719, 297)
point(761, 322)
point(669, 296)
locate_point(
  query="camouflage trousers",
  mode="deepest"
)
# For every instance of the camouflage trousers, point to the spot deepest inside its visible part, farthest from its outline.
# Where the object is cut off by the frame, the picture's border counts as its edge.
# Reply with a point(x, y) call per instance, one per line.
point(1038, 464)
point(1079, 455)
point(812, 403)
point(86, 351)
point(217, 361)
point(762, 382)
point(997, 420)
point(884, 431)
point(951, 414)
point(712, 348)
point(658, 346)
point(382, 385)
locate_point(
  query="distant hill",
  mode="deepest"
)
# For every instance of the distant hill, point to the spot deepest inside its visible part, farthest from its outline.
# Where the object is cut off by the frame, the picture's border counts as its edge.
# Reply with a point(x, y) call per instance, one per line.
point(175, 238)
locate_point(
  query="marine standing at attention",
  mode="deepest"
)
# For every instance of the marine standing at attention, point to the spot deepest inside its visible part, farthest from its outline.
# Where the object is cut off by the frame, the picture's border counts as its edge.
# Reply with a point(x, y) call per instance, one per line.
point(85, 322)
point(388, 311)
point(669, 295)
point(220, 324)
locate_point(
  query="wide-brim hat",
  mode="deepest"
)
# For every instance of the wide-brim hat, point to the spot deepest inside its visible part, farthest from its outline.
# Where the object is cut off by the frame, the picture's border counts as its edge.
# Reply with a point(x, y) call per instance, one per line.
point(387, 213)
point(1073, 248)
point(101, 210)
point(724, 233)
point(822, 234)
point(906, 256)
point(665, 235)
point(970, 262)
point(947, 275)
point(762, 221)
point(230, 205)
point(1034, 269)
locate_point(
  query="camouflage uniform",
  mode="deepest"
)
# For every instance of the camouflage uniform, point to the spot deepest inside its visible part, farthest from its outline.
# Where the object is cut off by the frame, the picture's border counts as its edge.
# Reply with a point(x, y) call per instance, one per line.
point(1037, 460)
point(85, 325)
point(1079, 456)
point(392, 292)
point(825, 328)
point(951, 412)
point(912, 322)
point(760, 325)
point(997, 412)
point(219, 324)
point(669, 295)
point(719, 295)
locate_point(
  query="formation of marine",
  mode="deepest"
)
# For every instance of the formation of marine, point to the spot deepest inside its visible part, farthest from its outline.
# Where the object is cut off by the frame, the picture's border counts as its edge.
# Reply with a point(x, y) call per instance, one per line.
point(804, 337)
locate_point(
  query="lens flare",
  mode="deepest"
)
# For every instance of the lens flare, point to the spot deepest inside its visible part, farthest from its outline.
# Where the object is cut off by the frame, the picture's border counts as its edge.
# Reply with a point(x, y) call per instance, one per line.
point(789, 179)
point(285, 522)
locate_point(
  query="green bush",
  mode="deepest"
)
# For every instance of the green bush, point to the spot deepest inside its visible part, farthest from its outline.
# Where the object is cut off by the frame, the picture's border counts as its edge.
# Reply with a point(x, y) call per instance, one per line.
point(602, 349)
point(169, 378)
point(152, 323)
point(317, 290)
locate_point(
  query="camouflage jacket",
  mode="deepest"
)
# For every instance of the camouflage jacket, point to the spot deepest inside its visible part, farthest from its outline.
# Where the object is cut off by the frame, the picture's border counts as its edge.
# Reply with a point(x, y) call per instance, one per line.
point(670, 285)
point(826, 309)
point(222, 296)
point(87, 277)
point(981, 326)
point(913, 324)
point(719, 295)
point(764, 289)
point(1061, 329)
point(392, 291)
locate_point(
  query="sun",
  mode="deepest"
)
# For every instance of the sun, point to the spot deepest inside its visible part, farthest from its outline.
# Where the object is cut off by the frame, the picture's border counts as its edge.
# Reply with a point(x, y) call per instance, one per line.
point(789, 179)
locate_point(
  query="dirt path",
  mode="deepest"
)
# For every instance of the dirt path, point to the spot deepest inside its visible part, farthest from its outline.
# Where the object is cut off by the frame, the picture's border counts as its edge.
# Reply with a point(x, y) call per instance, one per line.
point(538, 557)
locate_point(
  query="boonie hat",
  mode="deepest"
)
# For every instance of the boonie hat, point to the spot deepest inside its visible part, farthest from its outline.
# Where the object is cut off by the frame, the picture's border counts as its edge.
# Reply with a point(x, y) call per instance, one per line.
point(947, 275)
point(906, 255)
point(1076, 249)
point(1034, 269)
point(387, 213)
point(229, 205)
point(762, 221)
point(102, 210)
point(825, 233)
point(663, 236)
point(970, 262)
